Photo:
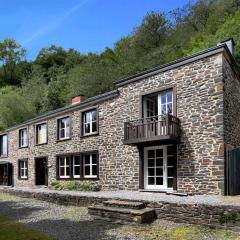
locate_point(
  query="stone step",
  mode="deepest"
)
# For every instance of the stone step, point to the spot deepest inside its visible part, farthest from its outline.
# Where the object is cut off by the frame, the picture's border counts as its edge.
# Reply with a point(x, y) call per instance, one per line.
point(123, 215)
point(124, 204)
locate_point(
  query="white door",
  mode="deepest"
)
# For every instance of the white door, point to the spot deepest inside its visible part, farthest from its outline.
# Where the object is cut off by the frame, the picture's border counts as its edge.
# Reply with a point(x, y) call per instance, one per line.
point(158, 167)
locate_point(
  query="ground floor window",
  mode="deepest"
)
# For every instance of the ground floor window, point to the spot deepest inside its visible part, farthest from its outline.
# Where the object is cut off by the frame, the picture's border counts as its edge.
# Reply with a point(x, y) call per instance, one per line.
point(23, 168)
point(64, 167)
point(78, 166)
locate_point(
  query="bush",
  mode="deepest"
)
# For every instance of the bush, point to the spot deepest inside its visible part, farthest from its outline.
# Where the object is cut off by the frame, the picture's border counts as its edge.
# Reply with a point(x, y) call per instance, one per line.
point(76, 186)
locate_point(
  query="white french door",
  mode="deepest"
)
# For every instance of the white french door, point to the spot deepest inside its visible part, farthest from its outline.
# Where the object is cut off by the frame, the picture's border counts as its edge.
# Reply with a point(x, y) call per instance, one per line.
point(158, 167)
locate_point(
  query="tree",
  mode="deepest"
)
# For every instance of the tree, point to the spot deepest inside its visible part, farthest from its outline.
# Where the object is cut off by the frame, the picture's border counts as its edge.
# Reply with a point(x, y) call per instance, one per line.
point(11, 53)
point(14, 108)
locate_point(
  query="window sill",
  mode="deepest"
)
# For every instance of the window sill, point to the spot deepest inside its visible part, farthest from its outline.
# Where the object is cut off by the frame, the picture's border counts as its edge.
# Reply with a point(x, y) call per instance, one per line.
point(21, 178)
point(40, 144)
point(23, 147)
point(4, 156)
point(89, 135)
point(63, 140)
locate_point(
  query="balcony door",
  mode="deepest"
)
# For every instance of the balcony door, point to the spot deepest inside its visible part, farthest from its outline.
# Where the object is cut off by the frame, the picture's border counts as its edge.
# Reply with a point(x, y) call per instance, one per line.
point(159, 167)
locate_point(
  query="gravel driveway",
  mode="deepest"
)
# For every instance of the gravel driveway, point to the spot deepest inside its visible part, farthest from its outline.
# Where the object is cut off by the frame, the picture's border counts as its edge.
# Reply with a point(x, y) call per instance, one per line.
point(69, 222)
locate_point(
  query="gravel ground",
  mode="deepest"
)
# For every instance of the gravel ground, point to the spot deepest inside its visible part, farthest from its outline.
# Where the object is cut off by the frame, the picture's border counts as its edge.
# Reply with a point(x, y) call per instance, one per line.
point(70, 223)
point(146, 196)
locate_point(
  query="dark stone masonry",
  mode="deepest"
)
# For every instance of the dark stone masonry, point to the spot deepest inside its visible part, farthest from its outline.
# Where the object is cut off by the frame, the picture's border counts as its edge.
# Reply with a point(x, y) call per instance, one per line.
point(206, 100)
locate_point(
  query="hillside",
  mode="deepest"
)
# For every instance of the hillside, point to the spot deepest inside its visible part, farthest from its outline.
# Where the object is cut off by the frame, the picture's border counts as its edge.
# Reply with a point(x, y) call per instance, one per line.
point(30, 88)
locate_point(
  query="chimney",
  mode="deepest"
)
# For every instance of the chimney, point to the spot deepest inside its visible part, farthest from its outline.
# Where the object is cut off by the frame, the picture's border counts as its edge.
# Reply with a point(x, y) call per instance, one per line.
point(230, 44)
point(77, 99)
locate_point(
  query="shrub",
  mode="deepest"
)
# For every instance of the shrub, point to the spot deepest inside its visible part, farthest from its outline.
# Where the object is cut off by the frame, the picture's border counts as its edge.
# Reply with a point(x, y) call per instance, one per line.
point(87, 187)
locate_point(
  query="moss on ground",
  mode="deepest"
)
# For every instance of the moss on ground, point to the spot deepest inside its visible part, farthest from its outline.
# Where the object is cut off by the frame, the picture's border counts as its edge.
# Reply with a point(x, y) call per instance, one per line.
point(12, 230)
point(7, 197)
point(176, 233)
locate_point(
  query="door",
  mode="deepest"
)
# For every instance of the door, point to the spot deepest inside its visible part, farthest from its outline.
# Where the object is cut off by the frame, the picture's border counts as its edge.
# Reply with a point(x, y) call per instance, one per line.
point(159, 167)
point(6, 174)
point(41, 171)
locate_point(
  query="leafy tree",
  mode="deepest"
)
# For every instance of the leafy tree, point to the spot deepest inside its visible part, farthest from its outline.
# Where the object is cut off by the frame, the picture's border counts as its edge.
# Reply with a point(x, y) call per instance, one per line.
point(11, 53)
point(13, 107)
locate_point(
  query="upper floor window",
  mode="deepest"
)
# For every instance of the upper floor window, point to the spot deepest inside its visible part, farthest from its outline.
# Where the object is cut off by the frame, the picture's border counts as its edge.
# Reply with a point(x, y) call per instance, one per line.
point(64, 128)
point(23, 137)
point(159, 103)
point(89, 122)
point(23, 169)
point(41, 131)
point(3, 145)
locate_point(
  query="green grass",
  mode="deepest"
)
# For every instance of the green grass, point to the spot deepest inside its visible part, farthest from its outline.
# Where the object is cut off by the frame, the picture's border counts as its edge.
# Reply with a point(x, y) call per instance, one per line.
point(7, 197)
point(176, 233)
point(72, 185)
point(11, 230)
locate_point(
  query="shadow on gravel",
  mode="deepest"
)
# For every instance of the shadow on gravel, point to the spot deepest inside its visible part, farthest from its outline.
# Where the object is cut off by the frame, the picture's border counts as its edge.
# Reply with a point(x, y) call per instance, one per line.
point(12, 210)
point(75, 230)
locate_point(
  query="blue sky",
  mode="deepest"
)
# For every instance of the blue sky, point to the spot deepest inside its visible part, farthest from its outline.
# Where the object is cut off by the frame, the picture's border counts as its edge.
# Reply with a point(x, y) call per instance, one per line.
point(86, 25)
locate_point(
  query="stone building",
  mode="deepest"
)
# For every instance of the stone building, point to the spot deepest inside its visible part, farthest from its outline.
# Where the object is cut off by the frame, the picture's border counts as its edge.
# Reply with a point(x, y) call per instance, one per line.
point(166, 129)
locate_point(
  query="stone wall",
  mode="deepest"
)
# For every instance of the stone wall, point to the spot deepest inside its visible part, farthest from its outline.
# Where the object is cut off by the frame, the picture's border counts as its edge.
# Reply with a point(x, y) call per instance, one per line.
point(217, 216)
point(199, 107)
point(231, 114)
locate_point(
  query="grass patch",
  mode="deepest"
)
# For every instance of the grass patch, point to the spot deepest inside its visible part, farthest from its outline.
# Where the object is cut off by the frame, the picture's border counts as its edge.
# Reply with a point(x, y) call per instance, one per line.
point(7, 197)
point(11, 230)
point(75, 186)
point(186, 233)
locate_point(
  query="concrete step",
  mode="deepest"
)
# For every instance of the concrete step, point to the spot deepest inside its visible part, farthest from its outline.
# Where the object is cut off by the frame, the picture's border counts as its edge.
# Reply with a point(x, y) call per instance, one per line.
point(124, 204)
point(123, 215)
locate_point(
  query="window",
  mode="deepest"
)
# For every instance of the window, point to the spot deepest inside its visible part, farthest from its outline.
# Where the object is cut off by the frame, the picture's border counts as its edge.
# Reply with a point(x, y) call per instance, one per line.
point(64, 128)
point(90, 165)
point(166, 102)
point(90, 122)
point(23, 169)
point(64, 166)
point(23, 138)
point(41, 133)
point(76, 166)
point(3, 145)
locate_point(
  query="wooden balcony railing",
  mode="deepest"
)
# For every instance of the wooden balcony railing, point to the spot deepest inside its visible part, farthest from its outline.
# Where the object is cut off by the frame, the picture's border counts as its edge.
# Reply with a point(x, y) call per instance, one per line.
point(155, 128)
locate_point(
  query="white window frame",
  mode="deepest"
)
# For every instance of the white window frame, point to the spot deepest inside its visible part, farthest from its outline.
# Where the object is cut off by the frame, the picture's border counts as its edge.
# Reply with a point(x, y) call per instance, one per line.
point(4, 145)
point(66, 125)
point(90, 164)
point(90, 122)
point(160, 105)
point(23, 135)
point(24, 168)
point(76, 165)
point(64, 166)
point(38, 131)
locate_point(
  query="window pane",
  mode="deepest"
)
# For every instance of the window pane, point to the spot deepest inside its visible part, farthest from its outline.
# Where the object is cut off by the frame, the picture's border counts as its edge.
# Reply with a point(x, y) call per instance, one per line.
point(159, 172)
point(77, 170)
point(61, 172)
point(159, 181)
point(163, 98)
point(87, 128)
point(151, 154)
point(76, 160)
point(22, 172)
point(169, 108)
point(169, 97)
point(94, 115)
point(170, 172)
point(94, 126)
point(170, 182)
point(4, 145)
point(87, 159)
point(87, 170)
point(62, 133)
point(67, 171)
point(151, 172)
point(159, 153)
point(94, 170)
point(94, 158)
point(171, 150)
point(151, 162)
point(171, 161)
point(151, 180)
point(159, 162)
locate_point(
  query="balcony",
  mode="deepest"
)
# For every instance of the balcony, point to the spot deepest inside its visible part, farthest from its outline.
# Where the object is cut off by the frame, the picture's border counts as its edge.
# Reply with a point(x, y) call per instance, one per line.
point(151, 129)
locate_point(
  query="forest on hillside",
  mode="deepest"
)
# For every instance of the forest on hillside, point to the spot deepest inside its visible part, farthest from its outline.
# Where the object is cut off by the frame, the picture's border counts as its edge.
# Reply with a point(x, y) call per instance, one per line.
point(28, 88)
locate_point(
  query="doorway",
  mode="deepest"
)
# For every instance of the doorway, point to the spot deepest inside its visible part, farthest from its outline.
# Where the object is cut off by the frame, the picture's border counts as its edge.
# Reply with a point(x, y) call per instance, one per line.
point(159, 167)
point(6, 174)
point(41, 171)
